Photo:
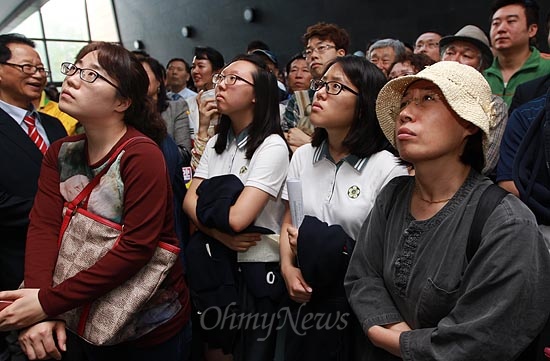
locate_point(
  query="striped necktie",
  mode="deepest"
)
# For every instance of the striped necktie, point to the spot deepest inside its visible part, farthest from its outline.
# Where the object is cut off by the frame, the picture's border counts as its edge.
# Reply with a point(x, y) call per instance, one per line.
point(30, 121)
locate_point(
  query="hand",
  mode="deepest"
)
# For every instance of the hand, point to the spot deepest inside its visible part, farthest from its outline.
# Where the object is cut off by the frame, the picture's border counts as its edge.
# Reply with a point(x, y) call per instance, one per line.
point(296, 138)
point(239, 242)
point(23, 312)
point(293, 239)
point(207, 110)
point(38, 343)
point(400, 326)
point(297, 287)
point(385, 338)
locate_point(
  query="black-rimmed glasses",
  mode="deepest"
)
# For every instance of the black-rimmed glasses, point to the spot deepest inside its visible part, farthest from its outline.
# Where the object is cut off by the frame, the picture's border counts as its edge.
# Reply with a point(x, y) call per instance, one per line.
point(332, 87)
point(88, 75)
point(29, 69)
point(228, 79)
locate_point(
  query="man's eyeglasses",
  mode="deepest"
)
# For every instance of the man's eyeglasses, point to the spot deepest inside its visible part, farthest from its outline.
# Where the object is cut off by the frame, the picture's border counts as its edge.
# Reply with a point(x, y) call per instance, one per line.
point(321, 49)
point(29, 69)
point(332, 87)
point(88, 75)
point(228, 79)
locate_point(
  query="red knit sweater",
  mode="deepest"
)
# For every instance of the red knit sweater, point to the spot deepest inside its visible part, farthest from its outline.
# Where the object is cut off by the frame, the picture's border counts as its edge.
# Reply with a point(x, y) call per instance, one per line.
point(147, 217)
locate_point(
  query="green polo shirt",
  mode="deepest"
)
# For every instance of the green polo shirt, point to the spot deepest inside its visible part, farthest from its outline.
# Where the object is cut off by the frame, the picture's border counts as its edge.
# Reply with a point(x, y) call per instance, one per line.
point(534, 67)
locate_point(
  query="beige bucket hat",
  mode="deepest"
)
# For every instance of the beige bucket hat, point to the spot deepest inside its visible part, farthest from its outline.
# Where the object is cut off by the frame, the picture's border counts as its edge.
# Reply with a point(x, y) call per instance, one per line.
point(464, 89)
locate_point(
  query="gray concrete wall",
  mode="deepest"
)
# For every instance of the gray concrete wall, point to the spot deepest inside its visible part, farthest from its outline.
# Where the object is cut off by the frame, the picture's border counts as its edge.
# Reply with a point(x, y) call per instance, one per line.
point(280, 23)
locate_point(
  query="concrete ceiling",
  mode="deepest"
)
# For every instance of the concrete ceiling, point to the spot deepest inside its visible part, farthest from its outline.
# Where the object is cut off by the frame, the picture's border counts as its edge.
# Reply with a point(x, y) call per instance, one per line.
point(12, 12)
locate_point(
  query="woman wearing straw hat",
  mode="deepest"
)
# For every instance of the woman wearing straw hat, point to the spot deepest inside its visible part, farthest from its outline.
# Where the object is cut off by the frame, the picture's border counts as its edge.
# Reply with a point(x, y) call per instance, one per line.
point(416, 292)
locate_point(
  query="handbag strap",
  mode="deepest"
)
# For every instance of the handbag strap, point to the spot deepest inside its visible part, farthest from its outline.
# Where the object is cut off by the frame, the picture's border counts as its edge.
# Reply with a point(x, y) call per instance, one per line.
point(95, 181)
point(73, 205)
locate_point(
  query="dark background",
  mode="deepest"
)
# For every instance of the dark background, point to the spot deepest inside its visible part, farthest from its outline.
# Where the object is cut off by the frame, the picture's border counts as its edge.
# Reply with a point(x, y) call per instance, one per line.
point(281, 23)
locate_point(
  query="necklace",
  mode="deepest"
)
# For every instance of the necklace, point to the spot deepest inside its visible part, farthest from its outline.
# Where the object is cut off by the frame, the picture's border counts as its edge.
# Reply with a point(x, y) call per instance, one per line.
point(428, 201)
point(434, 202)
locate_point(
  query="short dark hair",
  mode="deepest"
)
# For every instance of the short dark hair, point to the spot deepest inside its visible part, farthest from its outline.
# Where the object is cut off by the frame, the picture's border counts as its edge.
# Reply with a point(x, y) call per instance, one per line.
point(530, 6)
point(210, 54)
point(365, 136)
point(295, 57)
point(187, 66)
point(257, 44)
point(418, 61)
point(332, 32)
point(13, 38)
point(266, 120)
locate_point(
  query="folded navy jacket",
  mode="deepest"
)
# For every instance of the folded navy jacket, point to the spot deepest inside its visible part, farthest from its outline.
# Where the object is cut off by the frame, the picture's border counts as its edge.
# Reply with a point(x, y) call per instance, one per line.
point(216, 196)
point(323, 253)
point(212, 267)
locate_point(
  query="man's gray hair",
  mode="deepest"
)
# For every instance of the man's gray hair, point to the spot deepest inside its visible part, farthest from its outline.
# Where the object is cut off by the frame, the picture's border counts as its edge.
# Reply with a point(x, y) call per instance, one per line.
point(398, 47)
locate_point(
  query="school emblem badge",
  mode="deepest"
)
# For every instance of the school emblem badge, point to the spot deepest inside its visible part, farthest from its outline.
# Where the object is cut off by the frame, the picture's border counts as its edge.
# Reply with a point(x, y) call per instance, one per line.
point(353, 192)
point(243, 169)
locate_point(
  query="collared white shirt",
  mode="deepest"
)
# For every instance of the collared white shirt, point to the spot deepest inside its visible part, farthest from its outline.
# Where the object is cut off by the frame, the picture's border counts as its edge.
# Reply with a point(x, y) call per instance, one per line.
point(266, 170)
point(342, 193)
point(18, 114)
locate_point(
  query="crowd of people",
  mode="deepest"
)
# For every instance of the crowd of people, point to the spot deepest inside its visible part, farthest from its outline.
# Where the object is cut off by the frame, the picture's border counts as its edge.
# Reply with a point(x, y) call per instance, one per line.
point(419, 228)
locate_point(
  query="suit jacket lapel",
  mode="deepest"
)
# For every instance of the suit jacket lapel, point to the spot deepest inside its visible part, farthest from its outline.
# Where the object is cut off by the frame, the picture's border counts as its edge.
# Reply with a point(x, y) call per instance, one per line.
point(12, 132)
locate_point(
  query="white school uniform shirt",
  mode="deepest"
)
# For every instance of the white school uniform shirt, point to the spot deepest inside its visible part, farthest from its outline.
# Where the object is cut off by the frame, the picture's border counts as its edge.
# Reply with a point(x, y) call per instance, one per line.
point(266, 171)
point(342, 193)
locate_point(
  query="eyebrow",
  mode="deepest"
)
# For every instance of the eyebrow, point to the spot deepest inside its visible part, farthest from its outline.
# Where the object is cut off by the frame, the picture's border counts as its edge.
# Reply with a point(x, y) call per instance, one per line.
point(426, 88)
point(507, 17)
point(334, 78)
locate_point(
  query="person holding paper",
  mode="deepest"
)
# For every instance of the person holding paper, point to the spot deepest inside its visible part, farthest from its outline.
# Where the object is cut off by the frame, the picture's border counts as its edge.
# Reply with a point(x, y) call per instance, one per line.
point(249, 151)
point(341, 171)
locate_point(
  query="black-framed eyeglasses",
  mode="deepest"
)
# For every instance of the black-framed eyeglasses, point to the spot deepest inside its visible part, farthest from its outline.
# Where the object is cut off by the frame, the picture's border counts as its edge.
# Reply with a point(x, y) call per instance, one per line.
point(29, 69)
point(332, 87)
point(88, 75)
point(228, 79)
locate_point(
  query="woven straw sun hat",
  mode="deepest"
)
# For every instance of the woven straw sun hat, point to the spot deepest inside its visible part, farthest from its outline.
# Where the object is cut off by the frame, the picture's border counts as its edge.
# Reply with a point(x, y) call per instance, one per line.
point(464, 89)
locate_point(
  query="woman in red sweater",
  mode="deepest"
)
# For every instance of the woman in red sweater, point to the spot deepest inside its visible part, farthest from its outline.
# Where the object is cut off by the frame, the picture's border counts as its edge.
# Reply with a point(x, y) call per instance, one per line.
point(106, 90)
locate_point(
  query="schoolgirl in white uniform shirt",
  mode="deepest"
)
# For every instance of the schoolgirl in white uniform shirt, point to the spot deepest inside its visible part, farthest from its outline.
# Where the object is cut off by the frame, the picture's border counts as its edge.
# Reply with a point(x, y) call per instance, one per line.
point(341, 171)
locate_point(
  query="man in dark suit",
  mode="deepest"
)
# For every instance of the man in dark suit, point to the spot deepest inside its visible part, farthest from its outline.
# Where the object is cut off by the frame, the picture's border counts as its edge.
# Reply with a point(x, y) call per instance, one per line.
point(22, 143)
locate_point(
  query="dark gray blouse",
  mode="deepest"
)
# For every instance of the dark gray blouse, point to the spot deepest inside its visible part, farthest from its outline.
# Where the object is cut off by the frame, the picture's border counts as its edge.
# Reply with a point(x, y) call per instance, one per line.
point(416, 271)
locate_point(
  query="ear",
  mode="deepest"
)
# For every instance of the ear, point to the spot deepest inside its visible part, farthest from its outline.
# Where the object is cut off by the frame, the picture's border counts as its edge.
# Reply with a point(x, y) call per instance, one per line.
point(470, 128)
point(122, 104)
point(532, 30)
point(340, 52)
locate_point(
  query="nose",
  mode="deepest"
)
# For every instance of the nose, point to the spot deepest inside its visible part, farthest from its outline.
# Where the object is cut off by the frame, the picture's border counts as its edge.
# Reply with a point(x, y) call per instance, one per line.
point(221, 85)
point(321, 93)
point(407, 113)
point(71, 80)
